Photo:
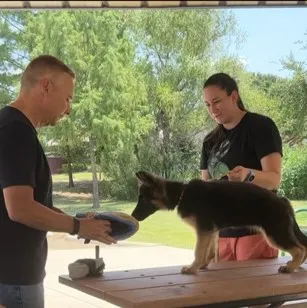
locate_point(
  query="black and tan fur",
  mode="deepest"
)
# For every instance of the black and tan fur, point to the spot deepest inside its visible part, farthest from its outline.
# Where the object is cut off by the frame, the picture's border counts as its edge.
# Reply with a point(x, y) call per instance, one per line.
point(211, 206)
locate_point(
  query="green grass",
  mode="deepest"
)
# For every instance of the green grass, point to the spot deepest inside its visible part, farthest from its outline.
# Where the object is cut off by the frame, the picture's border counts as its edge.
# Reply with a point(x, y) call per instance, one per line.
point(161, 228)
point(302, 216)
point(80, 176)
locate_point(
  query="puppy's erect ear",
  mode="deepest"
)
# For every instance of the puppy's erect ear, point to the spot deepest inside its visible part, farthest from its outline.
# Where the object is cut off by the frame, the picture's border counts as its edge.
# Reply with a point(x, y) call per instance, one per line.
point(146, 178)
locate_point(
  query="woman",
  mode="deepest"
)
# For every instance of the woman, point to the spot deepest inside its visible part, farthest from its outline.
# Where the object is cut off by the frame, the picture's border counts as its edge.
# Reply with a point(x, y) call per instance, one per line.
point(244, 146)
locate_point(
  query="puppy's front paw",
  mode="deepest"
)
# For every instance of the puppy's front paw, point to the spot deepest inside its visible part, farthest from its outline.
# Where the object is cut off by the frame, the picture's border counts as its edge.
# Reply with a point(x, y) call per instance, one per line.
point(188, 270)
point(284, 269)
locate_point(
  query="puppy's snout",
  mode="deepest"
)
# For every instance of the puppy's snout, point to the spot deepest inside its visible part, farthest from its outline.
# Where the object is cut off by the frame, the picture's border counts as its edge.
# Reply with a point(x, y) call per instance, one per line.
point(143, 209)
point(139, 214)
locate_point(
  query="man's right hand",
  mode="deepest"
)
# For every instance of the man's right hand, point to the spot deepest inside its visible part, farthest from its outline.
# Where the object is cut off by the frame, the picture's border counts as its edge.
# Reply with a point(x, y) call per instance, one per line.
point(96, 229)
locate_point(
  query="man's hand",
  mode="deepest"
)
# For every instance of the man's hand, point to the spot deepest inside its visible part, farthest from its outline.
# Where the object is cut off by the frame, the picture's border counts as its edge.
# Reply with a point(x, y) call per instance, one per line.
point(57, 210)
point(238, 174)
point(96, 229)
point(90, 214)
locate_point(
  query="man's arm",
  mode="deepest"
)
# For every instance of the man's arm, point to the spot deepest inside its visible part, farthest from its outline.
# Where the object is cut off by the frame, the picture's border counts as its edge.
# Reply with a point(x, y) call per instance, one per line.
point(87, 214)
point(17, 179)
point(57, 210)
point(22, 208)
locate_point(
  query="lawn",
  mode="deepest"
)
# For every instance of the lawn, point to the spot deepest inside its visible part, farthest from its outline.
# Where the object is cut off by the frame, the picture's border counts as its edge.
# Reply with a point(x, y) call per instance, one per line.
point(161, 228)
point(79, 176)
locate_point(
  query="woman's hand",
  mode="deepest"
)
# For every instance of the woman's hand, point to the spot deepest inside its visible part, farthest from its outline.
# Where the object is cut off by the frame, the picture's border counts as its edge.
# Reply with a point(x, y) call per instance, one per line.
point(238, 174)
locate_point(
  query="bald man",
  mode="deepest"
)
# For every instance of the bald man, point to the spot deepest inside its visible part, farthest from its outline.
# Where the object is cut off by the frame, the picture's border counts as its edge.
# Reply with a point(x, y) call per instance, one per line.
point(26, 207)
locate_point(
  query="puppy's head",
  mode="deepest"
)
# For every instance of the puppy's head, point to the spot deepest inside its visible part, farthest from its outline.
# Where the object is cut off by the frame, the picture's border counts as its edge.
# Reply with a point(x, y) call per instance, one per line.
point(151, 195)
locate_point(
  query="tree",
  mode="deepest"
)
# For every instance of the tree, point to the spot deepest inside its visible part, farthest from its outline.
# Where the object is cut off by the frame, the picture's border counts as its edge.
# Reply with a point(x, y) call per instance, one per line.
point(175, 52)
point(107, 107)
point(291, 94)
point(12, 53)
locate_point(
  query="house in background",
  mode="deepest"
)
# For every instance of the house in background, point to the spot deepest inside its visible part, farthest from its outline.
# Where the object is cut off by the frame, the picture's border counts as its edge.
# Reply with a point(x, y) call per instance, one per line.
point(55, 160)
point(55, 163)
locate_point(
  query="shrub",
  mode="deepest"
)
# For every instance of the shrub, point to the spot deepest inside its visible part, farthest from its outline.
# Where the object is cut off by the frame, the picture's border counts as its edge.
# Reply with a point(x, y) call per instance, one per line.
point(119, 190)
point(294, 173)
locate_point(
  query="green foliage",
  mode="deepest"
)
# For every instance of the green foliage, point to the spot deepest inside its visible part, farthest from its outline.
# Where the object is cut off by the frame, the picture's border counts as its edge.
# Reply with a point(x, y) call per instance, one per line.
point(294, 173)
point(120, 189)
point(12, 53)
point(76, 167)
point(264, 82)
point(176, 49)
point(292, 96)
point(109, 108)
point(137, 102)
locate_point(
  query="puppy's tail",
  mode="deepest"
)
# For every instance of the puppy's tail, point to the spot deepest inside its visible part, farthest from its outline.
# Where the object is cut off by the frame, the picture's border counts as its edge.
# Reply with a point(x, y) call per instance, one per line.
point(302, 238)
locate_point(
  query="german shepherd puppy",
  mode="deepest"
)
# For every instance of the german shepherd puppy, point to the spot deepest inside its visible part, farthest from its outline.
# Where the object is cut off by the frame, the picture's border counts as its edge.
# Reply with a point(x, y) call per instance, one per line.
point(211, 206)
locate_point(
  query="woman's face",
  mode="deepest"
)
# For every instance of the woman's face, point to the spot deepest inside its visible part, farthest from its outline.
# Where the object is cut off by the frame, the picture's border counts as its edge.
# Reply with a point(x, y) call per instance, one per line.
point(221, 107)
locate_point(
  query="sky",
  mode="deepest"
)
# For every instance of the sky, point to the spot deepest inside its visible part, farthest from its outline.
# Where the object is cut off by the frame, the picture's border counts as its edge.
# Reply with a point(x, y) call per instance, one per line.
point(271, 34)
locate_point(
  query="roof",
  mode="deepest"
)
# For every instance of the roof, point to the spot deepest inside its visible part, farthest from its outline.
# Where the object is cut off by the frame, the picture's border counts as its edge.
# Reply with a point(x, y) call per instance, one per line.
point(145, 4)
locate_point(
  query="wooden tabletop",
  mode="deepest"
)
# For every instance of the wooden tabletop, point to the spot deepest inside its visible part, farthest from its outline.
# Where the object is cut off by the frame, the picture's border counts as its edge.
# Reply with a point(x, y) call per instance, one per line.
point(255, 281)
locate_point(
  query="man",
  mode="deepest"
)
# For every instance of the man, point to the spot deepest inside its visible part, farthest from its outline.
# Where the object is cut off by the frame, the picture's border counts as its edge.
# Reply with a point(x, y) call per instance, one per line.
point(26, 208)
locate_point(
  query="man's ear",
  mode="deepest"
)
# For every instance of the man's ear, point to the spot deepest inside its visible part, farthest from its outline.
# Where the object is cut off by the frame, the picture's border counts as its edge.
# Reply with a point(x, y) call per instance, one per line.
point(146, 178)
point(45, 84)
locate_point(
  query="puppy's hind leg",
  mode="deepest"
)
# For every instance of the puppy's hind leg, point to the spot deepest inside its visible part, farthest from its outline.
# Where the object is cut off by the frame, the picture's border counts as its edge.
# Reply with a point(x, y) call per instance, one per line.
point(213, 250)
point(298, 254)
point(216, 247)
point(201, 253)
point(284, 238)
point(301, 238)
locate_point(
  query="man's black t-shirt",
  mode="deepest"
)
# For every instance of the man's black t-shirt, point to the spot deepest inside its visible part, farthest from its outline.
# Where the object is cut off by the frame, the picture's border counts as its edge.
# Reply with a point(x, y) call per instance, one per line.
point(22, 162)
point(255, 137)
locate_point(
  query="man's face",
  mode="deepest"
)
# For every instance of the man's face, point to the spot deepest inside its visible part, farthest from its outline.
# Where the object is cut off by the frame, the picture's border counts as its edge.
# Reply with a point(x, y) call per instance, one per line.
point(57, 95)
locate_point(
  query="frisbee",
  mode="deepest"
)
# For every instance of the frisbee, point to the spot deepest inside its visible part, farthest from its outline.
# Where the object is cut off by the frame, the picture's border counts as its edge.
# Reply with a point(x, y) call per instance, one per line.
point(123, 225)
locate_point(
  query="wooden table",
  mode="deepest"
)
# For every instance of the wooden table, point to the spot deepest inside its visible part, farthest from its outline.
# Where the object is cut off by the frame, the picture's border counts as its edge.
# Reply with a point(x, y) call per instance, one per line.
point(225, 284)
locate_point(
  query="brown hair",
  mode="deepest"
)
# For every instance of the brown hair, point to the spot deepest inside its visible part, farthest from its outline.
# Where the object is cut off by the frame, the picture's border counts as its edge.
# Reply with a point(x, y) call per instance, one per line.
point(40, 65)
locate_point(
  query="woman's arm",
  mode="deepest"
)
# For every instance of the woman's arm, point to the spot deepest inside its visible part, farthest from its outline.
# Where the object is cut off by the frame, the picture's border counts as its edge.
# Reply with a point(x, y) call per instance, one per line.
point(269, 177)
point(204, 175)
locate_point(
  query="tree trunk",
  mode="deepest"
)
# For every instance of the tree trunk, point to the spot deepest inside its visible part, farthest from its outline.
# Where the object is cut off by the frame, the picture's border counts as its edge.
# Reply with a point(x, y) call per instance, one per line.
point(96, 204)
point(100, 172)
point(69, 162)
point(164, 126)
